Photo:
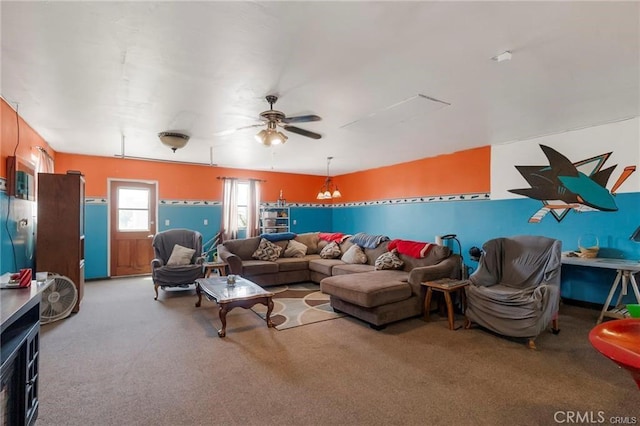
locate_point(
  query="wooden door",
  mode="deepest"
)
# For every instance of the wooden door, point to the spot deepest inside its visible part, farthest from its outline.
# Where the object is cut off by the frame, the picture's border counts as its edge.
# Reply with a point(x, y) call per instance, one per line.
point(132, 209)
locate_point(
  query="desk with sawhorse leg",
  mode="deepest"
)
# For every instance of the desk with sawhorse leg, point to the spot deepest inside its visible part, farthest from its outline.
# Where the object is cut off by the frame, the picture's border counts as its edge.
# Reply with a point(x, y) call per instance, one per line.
point(625, 269)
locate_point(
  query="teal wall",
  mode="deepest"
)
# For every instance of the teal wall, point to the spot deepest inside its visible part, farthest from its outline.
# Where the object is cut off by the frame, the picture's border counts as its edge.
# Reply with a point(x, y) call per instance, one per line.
point(17, 248)
point(475, 222)
point(180, 215)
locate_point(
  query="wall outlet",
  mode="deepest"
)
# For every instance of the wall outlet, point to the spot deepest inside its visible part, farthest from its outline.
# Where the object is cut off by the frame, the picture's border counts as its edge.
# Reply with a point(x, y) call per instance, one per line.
point(295, 221)
point(206, 221)
point(166, 222)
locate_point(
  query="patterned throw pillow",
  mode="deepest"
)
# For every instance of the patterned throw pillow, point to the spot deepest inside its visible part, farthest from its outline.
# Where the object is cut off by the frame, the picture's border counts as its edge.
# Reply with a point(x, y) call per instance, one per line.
point(354, 254)
point(295, 249)
point(267, 251)
point(331, 251)
point(388, 260)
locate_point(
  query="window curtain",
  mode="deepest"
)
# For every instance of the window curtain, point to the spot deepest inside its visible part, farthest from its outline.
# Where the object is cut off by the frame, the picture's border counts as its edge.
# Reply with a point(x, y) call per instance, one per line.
point(253, 209)
point(44, 162)
point(229, 209)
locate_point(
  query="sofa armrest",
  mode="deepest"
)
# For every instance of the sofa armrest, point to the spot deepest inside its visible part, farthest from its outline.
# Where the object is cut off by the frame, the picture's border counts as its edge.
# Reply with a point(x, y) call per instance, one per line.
point(233, 260)
point(156, 263)
point(448, 268)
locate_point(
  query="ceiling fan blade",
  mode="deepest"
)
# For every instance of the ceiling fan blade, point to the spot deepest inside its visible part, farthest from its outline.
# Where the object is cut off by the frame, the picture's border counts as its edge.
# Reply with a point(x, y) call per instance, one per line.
point(301, 119)
point(302, 132)
point(231, 131)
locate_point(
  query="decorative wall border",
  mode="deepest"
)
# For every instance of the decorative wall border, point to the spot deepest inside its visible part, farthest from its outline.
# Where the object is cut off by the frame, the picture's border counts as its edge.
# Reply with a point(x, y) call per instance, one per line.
point(95, 200)
point(3, 184)
point(426, 199)
point(410, 200)
point(189, 203)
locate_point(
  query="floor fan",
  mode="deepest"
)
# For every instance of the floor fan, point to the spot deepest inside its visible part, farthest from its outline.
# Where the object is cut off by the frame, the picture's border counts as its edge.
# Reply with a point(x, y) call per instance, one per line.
point(58, 299)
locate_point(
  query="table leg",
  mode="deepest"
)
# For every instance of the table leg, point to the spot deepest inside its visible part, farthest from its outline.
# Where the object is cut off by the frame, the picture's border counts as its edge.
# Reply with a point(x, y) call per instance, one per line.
point(223, 319)
point(207, 271)
point(634, 286)
point(199, 293)
point(447, 298)
point(222, 271)
point(605, 308)
point(269, 310)
point(463, 300)
point(427, 303)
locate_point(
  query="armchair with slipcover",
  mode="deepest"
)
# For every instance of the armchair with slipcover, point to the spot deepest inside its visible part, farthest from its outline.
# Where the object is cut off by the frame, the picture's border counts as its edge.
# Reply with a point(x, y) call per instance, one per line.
point(178, 261)
point(515, 291)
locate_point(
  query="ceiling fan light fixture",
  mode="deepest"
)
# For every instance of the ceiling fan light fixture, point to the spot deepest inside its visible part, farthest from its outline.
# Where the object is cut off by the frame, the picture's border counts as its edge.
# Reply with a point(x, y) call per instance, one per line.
point(271, 136)
point(174, 140)
point(261, 136)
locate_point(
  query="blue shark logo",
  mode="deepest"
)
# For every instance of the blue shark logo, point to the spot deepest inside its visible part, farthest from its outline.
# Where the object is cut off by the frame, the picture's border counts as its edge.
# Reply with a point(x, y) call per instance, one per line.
point(563, 186)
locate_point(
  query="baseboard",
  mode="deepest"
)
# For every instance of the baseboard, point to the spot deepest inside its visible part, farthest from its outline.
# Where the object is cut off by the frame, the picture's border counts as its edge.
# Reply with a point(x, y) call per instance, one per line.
point(583, 304)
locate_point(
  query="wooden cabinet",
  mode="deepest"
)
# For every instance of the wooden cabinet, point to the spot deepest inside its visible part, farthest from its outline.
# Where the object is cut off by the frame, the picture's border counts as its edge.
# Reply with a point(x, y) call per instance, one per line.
point(274, 219)
point(60, 229)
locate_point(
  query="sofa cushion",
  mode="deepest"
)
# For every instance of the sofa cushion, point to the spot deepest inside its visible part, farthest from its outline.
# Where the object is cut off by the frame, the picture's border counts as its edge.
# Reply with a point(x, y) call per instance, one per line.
point(267, 251)
point(331, 251)
point(373, 254)
point(292, 264)
point(388, 260)
point(354, 255)
point(258, 267)
point(368, 289)
point(324, 266)
point(295, 249)
point(435, 256)
point(243, 248)
point(351, 269)
point(311, 240)
point(283, 246)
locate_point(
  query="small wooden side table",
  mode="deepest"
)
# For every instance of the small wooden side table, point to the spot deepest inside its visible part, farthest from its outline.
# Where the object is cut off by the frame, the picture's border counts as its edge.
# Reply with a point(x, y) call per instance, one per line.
point(221, 267)
point(446, 286)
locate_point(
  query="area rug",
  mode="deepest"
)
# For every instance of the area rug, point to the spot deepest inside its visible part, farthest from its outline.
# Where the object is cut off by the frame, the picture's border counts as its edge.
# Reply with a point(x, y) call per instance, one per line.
point(297, 304)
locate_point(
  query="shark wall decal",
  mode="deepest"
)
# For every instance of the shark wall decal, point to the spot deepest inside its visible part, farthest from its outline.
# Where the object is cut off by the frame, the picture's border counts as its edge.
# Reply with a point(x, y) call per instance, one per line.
point(563, 186)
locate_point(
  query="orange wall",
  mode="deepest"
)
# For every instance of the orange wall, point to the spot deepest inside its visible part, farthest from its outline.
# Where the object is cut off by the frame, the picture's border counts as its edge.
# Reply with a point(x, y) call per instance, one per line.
point(458, 173)
point(29, 139)
point(185, 181)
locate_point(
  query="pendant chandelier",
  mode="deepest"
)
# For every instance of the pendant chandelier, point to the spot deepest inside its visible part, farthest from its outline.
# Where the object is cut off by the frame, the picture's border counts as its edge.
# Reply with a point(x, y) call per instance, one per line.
point(329, 190)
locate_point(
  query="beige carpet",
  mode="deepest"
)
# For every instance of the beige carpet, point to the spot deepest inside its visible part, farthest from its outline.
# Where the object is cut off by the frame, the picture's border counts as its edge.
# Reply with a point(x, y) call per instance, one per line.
point(126, 359)
point(297, 304)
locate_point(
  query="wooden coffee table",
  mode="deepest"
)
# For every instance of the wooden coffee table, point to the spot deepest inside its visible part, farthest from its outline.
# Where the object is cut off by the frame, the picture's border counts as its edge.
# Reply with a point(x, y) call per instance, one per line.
point(244, 294)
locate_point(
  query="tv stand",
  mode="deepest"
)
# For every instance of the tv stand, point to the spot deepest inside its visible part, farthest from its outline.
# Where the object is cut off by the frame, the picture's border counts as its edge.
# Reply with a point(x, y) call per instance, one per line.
point(20, 353)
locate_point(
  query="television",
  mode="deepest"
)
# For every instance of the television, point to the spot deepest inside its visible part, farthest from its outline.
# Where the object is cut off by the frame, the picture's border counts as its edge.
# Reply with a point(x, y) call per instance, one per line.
point(21, 179)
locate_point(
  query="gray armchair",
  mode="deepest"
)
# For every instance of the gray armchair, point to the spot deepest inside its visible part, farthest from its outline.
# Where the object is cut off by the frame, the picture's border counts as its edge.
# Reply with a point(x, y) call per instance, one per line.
point(184, 273)
point(516, 289)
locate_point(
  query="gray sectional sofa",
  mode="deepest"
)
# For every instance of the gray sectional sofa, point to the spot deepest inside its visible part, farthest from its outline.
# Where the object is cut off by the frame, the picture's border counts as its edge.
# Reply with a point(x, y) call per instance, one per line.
point(378, 297)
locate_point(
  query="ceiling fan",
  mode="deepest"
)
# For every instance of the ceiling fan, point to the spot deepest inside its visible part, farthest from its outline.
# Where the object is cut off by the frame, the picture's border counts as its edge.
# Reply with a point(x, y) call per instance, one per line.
point(274, 119)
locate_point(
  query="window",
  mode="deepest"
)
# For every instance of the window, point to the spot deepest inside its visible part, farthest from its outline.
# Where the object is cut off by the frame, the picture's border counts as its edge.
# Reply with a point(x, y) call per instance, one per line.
point(243, 203)
point(133, 209)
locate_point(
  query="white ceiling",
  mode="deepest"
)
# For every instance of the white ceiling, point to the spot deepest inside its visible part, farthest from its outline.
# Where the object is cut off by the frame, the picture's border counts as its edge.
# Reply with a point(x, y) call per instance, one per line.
point(86, 73)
